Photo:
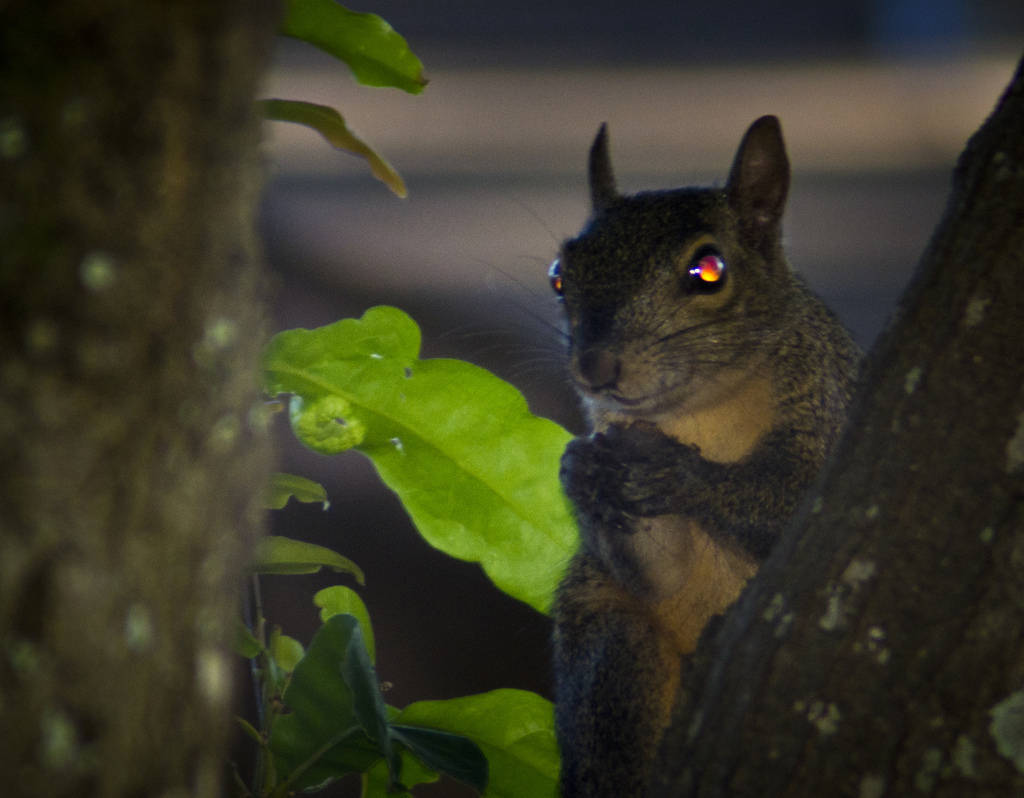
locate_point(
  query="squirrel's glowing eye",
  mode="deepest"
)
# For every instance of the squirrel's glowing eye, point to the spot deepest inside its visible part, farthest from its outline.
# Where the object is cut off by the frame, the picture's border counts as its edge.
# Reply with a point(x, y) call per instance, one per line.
point(555, 276)
point(707, 272)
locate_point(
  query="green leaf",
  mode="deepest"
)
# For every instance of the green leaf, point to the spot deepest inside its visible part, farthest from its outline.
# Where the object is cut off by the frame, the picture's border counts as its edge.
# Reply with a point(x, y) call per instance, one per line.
point(284, 486)
point(367, 702)
point(475, 470)
point(337, 723)
point(250, 730)
point(448, 753)
point(331, 125)
point(322, 736)
point(286, 651)
point(341, 600)
point(374, 51)
point(515, 731)
point(280, 555)
point(245, 642)
point(377, 780)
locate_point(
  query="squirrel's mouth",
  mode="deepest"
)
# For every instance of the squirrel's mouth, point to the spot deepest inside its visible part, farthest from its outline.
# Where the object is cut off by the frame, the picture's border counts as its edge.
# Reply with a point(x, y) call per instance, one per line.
point(645, 404)
point(610, 398)
point(640, 389)
point(625, 401)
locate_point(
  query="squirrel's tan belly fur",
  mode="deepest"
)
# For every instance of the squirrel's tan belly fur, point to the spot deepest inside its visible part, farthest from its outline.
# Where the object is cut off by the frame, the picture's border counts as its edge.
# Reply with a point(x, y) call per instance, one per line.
point(693, 576)
point(711, 577)
point(704, 575)
point(698, 578)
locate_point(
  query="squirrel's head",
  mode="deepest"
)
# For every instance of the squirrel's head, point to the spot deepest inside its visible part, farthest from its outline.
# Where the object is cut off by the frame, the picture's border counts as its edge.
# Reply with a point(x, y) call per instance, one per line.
point(669, 292)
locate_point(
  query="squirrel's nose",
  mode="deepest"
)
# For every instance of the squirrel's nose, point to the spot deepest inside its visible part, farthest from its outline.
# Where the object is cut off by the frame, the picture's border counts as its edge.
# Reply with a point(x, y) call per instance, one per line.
point(599, 368)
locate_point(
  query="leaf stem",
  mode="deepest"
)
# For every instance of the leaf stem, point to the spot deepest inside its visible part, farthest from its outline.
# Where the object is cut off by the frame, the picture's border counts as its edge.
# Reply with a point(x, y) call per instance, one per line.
point(253, 615)
point(332, 741)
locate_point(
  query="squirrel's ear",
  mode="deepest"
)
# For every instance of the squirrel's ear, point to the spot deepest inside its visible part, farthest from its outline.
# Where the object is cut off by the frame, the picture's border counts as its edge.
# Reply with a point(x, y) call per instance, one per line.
point(602, 181)
point(759, 180)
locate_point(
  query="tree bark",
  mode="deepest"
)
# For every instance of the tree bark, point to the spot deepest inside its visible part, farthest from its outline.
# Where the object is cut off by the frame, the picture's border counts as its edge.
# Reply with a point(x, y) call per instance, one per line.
point(880, 650)
point(131, 320)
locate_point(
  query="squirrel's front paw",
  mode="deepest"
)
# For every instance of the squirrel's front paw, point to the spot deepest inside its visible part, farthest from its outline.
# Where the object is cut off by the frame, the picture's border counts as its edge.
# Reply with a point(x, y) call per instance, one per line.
point(628, 471)
point(587, 464)
point(658, 471)
point(591, 475)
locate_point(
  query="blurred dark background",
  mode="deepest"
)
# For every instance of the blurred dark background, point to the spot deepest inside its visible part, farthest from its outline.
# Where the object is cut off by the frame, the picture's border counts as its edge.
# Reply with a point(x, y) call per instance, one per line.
point(876, 100)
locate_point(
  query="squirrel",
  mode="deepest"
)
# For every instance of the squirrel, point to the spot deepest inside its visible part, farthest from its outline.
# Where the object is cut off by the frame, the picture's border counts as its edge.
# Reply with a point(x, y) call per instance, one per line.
point(715, 384)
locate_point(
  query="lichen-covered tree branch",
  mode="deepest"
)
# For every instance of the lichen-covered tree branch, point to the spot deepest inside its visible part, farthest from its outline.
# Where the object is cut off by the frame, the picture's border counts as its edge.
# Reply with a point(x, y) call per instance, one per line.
point(880, 650)
point(131, 320)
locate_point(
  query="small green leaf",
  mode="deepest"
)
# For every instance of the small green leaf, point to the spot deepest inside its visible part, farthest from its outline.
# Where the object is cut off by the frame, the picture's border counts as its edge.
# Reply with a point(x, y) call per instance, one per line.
point(341, 600)
point(475, 470)
point(374, 51)
point(245, 643)
point(284, 486)
point(280, 555)
point(286, 651)
point(250, 730)
point(515, 731)
point(331, 125)
point(321, 737)
point(325, 424)
point(448, 753)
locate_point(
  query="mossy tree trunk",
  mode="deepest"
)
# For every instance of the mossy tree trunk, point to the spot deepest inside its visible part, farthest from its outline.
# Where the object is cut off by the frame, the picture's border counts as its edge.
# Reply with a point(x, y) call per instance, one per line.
point(880, 651)
point(131, 320)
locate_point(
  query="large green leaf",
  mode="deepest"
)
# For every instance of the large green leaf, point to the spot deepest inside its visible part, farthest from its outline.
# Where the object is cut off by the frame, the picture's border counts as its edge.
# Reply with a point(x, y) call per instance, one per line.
point(514, 729)
point(374, 51)
point(337, 721)
point(323, 736)
point(476, 471)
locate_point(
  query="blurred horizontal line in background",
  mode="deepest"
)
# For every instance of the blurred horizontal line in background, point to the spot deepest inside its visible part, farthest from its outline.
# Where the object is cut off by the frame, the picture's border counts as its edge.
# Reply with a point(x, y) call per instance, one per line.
point(893, 115)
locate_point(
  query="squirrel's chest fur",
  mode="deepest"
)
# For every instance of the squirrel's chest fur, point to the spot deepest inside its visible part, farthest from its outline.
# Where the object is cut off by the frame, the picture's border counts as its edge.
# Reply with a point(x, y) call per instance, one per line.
point(688, 575)
point(725, 420)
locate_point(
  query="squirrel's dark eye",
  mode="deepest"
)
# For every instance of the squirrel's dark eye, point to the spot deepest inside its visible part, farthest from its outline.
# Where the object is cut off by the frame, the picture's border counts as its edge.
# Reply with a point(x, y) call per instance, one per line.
point(707, 271)
point(555, 276)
